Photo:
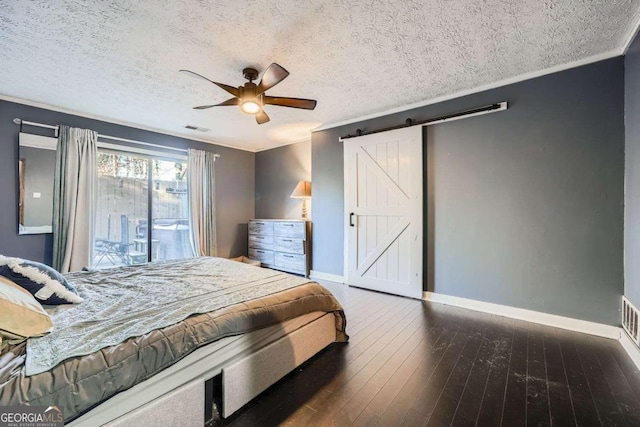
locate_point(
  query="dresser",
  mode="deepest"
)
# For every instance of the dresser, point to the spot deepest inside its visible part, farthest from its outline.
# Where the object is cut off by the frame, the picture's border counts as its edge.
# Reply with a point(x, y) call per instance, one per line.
point(281, 244)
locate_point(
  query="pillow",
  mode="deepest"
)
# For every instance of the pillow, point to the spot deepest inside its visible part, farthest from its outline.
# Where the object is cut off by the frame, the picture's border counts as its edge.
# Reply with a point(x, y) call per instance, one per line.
point(21, 316)
point(43, 282)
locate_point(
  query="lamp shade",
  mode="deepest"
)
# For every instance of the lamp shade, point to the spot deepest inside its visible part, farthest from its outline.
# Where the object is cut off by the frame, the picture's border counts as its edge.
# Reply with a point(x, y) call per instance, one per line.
point(302, 190)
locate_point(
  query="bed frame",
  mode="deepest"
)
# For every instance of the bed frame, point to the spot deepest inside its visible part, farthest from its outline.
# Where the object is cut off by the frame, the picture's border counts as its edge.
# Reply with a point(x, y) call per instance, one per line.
point(249, 364)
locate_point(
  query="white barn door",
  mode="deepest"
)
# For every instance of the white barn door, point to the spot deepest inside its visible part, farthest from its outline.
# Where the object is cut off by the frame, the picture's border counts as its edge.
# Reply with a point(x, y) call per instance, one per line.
point(383, 201)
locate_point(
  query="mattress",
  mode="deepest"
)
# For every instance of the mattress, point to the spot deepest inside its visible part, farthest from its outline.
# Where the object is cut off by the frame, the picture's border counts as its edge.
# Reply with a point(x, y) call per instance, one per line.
point(228, 299)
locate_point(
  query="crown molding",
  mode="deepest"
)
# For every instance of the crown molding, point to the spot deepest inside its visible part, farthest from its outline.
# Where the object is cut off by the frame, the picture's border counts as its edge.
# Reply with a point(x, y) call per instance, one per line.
point(630, 38)
point(505, 82)
point(284, 144)
point(527, 76)
point(115, 121)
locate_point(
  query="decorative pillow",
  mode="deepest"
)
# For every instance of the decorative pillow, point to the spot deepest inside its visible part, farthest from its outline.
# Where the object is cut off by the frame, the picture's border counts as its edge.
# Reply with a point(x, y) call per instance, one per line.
point(46, 284)
point(21, 316)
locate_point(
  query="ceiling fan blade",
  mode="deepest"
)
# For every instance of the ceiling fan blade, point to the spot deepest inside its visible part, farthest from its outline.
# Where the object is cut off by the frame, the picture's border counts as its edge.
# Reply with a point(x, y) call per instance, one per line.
point(230, 101)
point(262, 117)
point(232, 90)
point(305, 104)
point(271, 77)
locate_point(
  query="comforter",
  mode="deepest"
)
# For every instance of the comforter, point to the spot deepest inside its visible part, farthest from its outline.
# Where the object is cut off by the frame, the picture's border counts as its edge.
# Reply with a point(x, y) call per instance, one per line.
point(137, 320)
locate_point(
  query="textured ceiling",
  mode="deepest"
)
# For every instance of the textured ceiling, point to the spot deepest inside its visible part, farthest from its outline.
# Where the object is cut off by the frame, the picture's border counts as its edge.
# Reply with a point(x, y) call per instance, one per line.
point(120, 59)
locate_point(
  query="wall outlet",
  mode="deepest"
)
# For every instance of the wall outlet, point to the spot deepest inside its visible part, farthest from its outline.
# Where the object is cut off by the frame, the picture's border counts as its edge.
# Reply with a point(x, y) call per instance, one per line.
point(37, 195)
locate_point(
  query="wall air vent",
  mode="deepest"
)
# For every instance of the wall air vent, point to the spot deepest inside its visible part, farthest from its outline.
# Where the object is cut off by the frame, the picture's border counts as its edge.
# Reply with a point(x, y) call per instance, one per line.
point(199, 129)
point(630, 318)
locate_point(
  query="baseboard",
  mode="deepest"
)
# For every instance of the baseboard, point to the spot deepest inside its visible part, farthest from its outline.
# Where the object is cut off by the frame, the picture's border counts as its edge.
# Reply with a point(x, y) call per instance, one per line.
point(556, 321)
point(630, 347)
point(326, 276)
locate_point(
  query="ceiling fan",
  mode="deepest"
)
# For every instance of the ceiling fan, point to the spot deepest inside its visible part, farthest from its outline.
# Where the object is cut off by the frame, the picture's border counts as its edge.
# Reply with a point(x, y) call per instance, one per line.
point(252, 98)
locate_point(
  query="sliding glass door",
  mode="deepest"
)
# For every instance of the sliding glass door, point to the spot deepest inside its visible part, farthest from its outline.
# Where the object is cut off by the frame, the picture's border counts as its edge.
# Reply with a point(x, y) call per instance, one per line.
point(135, 191)
point(170, 211)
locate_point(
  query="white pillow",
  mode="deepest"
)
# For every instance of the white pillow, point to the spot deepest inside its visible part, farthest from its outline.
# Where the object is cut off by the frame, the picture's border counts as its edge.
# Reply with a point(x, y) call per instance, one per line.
point(21, 316)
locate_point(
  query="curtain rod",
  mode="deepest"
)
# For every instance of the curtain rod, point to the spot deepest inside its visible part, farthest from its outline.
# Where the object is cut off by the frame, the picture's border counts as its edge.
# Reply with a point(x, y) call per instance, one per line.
point(114, 138)
point(447, 118)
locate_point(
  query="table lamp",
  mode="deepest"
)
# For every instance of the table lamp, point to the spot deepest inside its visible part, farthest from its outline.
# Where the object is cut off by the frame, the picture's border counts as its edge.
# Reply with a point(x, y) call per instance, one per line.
point(302, 191)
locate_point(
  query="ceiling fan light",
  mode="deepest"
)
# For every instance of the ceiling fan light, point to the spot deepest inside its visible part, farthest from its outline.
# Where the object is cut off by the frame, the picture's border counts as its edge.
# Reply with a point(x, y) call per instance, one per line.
point(250, 107)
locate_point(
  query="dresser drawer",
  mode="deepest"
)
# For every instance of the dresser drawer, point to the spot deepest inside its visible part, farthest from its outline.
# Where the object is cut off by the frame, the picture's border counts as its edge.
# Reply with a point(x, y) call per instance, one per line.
point(260, 227)
point(261, 242)
point(288, 244)
point(290, 261)
point(295, 229)
point(265, 257)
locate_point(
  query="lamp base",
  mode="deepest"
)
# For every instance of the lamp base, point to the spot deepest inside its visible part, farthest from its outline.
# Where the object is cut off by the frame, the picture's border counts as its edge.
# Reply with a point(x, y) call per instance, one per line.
point(304, 209)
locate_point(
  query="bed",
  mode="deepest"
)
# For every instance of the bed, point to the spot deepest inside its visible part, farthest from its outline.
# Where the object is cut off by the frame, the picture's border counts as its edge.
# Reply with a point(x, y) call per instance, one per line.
point(147, 338)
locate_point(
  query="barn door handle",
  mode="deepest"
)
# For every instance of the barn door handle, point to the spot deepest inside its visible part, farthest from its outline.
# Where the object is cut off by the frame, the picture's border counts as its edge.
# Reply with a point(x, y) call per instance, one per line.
point(351, 219)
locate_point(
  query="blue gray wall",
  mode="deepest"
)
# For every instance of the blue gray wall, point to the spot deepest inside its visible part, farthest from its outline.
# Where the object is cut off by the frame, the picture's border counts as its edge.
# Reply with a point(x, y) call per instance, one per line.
point(234, 180)
point(277, 174)
point(632, 173)
point(527, 204)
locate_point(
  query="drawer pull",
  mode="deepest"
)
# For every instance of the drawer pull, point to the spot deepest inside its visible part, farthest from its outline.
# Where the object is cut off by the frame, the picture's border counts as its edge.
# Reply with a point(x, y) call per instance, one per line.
point(288, 225)
point(256, 237)
point(287, 240)
point(288, 256)
point(260, 252)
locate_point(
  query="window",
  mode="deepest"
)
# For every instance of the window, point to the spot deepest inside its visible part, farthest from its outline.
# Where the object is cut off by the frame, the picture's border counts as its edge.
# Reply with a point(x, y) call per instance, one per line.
point(135, 190)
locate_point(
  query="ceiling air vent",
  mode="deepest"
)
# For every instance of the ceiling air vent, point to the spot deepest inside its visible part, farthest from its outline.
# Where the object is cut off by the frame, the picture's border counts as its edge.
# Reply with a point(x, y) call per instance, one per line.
point(199, 129)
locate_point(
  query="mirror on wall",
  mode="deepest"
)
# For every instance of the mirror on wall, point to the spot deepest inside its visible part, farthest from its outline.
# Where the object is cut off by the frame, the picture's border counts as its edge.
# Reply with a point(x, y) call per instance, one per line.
point(36, 166)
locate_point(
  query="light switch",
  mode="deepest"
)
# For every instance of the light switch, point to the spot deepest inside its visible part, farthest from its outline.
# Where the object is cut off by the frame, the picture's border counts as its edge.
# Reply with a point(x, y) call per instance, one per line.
point(37, 195)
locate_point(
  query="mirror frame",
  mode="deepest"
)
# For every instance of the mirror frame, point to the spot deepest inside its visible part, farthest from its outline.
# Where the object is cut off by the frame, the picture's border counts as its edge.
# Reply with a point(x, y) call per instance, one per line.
point(29, 140)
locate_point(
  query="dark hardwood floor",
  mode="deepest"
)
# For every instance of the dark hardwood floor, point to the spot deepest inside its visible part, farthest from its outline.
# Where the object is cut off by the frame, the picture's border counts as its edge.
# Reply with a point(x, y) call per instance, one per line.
point(415, 363)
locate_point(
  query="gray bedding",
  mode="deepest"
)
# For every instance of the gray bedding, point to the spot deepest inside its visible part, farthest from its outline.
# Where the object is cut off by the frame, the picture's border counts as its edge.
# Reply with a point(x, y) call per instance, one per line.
point(136, 321)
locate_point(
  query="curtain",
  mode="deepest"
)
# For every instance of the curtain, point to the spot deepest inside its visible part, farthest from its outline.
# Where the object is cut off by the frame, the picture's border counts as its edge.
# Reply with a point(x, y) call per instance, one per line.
point(75, 182)
point(202, 196)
